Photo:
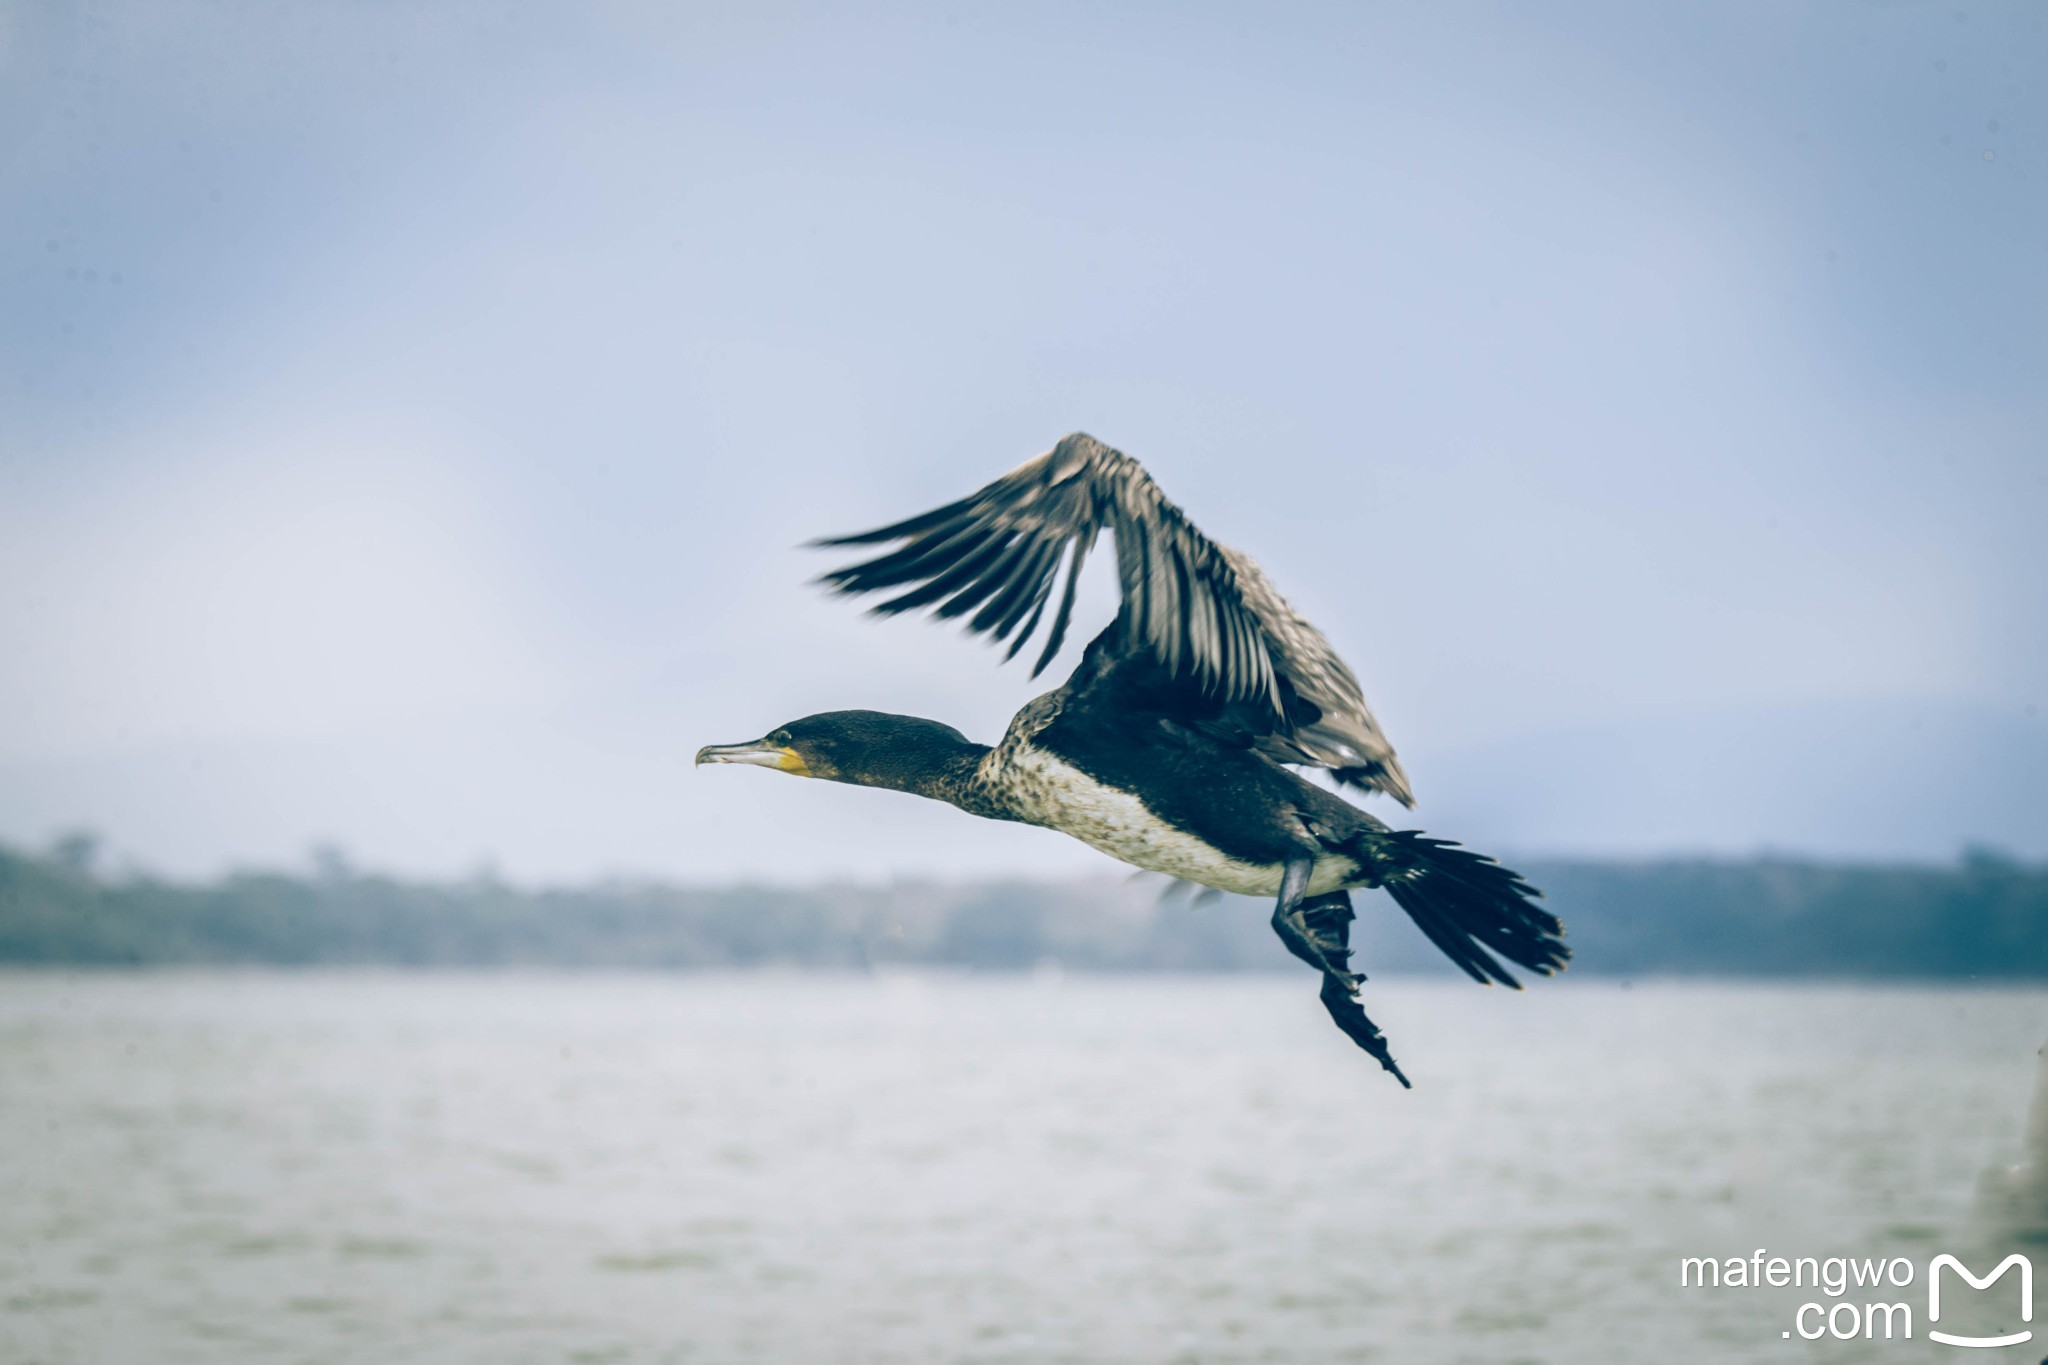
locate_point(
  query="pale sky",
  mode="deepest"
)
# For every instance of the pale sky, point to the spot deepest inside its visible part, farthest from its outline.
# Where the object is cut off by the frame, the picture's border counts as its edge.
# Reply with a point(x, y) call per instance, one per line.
point(409, 413)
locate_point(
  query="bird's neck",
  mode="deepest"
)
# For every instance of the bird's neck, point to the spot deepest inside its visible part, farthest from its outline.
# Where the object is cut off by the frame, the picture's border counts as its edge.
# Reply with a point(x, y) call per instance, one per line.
point(943, 771)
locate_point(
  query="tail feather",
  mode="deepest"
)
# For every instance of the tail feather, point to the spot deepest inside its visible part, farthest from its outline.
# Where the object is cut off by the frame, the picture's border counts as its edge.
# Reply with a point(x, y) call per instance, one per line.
point(1470, 906)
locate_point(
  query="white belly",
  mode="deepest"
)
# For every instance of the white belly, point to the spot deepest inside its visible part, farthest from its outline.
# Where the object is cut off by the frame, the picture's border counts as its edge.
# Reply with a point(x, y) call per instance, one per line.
point(1062, 797)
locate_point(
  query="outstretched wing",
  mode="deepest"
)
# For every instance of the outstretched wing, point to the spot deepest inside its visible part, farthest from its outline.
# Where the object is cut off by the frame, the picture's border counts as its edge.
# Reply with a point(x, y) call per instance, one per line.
point(1202, 612)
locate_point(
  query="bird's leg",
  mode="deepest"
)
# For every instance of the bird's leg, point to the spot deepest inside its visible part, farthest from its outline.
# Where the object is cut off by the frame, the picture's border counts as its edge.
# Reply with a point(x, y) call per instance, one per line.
point(1325, 925)
point(1317, 950)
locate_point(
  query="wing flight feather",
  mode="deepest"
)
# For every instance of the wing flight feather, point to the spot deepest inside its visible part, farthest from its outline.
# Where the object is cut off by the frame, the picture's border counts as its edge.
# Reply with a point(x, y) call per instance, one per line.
point(1202, 611)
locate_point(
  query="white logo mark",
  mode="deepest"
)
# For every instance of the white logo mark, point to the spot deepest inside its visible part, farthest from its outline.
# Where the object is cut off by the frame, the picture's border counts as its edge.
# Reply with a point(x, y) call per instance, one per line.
point(1934, 1298)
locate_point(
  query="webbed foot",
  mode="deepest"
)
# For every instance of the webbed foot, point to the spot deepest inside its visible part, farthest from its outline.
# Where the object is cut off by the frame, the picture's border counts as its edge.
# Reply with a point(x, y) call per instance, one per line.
point(1346, 1014)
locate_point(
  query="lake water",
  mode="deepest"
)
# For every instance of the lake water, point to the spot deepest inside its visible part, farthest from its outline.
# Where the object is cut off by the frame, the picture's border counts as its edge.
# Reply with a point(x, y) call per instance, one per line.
point(355, 1167)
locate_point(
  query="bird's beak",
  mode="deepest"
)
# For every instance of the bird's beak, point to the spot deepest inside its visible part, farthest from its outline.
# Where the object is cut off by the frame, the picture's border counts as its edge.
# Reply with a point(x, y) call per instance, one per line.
point(760, 753)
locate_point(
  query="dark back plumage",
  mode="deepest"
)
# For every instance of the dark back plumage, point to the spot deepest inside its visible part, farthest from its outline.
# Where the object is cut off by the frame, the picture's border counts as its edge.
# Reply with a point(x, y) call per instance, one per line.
point(1197, 617)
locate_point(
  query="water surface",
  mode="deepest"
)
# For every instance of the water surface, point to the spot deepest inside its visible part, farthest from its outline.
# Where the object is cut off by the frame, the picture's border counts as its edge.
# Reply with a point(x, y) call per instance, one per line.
point(345, 1167)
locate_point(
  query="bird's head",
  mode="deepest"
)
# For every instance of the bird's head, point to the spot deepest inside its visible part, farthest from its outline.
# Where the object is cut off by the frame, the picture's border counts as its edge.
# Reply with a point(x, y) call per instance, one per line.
point(867, 748)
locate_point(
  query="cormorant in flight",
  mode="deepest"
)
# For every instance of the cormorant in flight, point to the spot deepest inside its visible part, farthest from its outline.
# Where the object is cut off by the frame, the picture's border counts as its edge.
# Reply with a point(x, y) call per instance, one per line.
point(1172, 746)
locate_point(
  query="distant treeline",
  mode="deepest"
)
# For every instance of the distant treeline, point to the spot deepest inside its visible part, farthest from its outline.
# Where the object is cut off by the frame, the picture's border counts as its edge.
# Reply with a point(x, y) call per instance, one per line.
point(1986, 917)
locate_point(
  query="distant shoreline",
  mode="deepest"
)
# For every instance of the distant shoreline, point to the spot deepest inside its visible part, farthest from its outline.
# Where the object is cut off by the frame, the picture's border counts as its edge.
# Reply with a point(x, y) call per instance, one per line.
point(1982, 920)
